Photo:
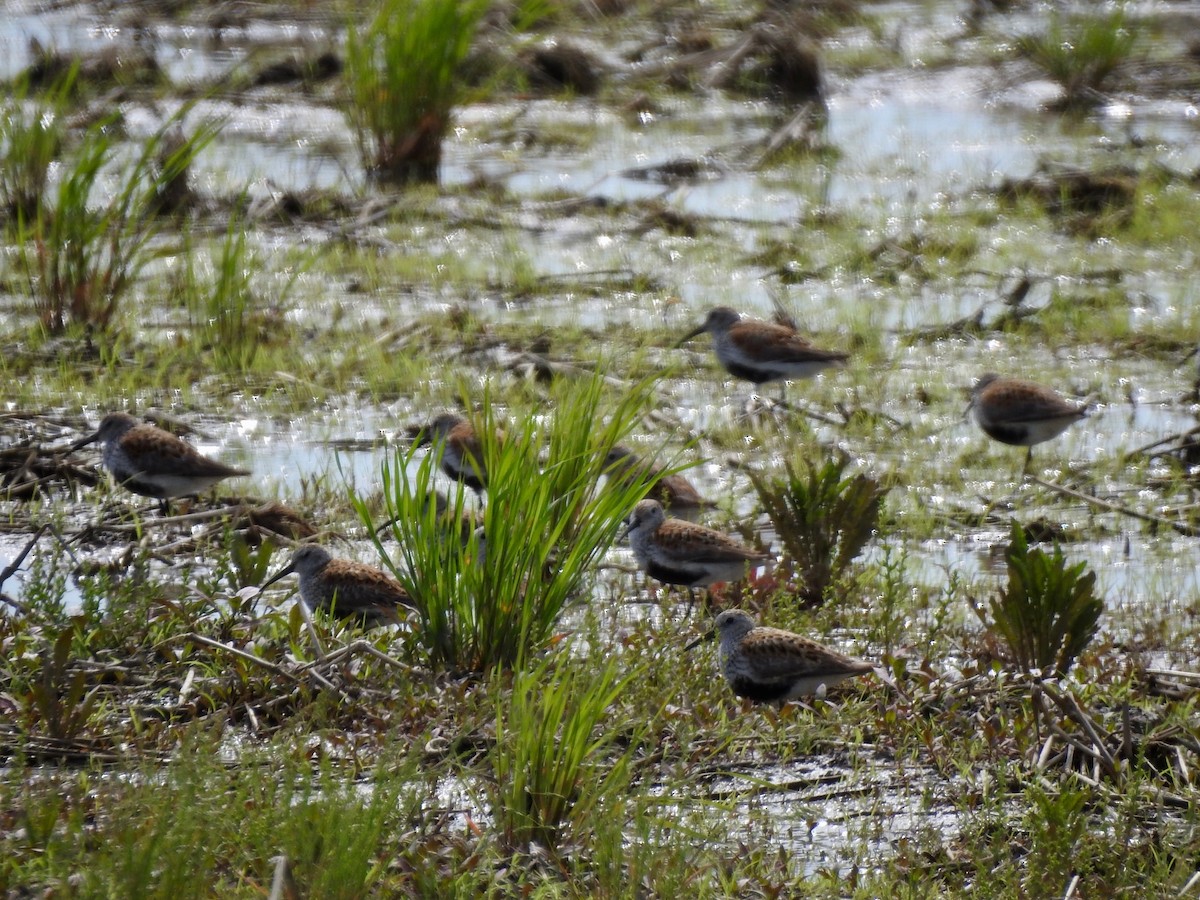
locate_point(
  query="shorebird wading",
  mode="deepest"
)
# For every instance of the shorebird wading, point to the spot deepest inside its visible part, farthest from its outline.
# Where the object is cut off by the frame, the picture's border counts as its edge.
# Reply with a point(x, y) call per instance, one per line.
point(770, 664)
point(675, 492)
point(1021, 413)
point(676, 552)
point(344, 588)
point(761, 352)
point(154, 463)
point(462, 451)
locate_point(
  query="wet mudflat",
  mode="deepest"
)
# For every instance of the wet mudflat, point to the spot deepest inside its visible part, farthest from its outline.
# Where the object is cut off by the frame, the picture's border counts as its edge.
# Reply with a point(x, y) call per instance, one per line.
point(947, 214)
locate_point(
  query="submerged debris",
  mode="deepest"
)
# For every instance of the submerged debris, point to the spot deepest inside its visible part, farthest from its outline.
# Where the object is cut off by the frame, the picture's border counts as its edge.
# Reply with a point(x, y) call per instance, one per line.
point(559, 64)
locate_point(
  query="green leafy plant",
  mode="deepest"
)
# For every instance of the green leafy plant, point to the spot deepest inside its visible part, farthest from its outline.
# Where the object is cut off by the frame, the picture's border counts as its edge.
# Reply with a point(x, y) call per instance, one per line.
point(82, 257)
point(1048, 612)
point(401, 71)
point(31, 138)
point(551, 768)
point(823, 516)
point(248, 564)
point(546, 525)
point(1057, 822)
point(1081, 52)
point(58, 695)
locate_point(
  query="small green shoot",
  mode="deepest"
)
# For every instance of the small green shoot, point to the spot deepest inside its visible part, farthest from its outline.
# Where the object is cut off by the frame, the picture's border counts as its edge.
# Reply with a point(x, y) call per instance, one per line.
point(229, 315)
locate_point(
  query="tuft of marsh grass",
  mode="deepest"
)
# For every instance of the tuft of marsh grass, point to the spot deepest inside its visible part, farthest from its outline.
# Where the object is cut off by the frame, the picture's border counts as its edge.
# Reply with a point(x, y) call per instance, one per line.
point(545, 524)
point(31, 139)
point(551, 770)
point(1048, 612)
point(1081, 52)
point(401, 73)
point(82, 257)
point(227, 312)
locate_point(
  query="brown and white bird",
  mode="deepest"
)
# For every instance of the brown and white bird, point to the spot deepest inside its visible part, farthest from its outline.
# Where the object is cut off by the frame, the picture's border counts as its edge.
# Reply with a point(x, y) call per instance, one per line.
point(147, 460)
point(676, 493)
point(769, 664)
point(676, 552)
point(761, 352)
point(462, 451)
point(345, 588)
point(1021, 413)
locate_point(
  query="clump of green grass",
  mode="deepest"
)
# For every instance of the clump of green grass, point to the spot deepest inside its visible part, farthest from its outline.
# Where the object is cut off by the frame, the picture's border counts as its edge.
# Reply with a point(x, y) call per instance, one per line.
point(545, 522)
point(551, 771)
point(823, 517)
point(31, 138)
point(1081, 53)
point(82, 256)
point(401, 71)
point(227, 312)
point(1048, 612)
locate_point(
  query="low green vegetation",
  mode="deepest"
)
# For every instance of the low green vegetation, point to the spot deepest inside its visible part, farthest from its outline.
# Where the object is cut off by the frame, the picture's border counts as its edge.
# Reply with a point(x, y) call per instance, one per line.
point(401, 75)
point(32, 134)
point(543, 535)
point(80, 253)
point(1048, 612)
point(229, 316)
point(1082, 52)
point(824, 517)
point(554, 775)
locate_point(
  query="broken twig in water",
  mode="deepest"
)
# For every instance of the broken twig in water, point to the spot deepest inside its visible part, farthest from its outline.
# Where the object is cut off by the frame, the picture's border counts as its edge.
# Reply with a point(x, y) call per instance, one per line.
point(1181, 527)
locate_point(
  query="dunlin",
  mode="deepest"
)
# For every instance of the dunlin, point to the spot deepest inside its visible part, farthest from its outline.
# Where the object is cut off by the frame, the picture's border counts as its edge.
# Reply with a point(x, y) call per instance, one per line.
point(154, 463)
point(675, 492)
point(1021, 413)
point(677, 552)
point(761, 352)
point(462, 451)
point(344, 588)
point(770, 664)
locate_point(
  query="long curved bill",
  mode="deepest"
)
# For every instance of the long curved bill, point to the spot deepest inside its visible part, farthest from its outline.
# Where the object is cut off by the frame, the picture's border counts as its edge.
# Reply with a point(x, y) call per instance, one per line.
point(84, 441)
point(711, 633)
point(285, 571)
point(699, 329)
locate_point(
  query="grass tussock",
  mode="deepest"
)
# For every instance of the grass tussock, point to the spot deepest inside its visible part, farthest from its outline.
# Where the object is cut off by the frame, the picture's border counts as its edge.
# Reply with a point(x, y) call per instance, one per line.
point(545, 525)
point(84, 251)
point(32, 135)
point(551, 771)
point(1081, 52)
point(402, 78)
